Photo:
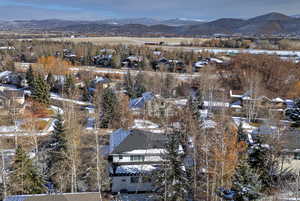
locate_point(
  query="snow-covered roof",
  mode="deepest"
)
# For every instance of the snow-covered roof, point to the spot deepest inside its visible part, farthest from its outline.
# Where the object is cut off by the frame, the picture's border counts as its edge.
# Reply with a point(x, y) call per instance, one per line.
point(181, 102)
point(140, 102)
point(278, 100)
point(101, 80)
point(289, 103)
point(135, 169)
point(157, 53)
point(219, 61)
point(135, 58)
point(236, 104)
point(215, 104)
point(146, 151)
point(208, 124)
point(7, 48)
point(200, 64)
point(4, 74)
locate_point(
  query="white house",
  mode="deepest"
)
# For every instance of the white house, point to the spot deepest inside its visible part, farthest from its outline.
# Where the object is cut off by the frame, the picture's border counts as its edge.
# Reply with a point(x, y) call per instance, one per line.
point(133, 156)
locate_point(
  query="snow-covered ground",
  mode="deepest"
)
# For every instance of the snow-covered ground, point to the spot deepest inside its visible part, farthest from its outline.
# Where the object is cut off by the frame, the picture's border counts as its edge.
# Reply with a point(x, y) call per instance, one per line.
point(136, 197)
point(11, 131)
point(282, 53)
point(142, 124)
point(55, 96)
point(147, 125)
point(56, 109)
point(98, 70)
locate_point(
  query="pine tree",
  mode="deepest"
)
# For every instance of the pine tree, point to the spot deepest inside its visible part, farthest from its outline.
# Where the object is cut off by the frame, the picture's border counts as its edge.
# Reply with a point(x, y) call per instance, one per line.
point(57, 161)
point(264, 159)
point(171, 180)
point(25, 178)
point(109, 104)
point(242, 136)
point(246, 182)
point(50, 81)
point(30, 77)
point(69, 85)
point(40, 90)
point(86, 96)
point(196, 104)
point(139, 87)
point(129, 85)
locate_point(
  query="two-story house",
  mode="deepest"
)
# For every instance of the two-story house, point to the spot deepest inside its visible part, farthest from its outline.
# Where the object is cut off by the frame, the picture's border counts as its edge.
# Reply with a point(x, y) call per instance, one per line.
point(133, 156)
point(155, 105)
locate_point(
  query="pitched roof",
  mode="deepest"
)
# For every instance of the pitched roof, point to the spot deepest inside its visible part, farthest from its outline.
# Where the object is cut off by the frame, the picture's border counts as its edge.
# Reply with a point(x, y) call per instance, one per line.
point(124, 141)
point(140, 102)
point(57, 197)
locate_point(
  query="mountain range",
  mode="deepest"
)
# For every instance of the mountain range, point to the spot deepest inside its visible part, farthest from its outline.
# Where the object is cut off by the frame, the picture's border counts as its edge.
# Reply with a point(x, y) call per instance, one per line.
point(272, 23)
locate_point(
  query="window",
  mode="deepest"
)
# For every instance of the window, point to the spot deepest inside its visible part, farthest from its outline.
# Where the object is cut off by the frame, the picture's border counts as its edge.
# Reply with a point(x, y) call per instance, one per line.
point(134, 180)
point(120, 157)
point(137, 158)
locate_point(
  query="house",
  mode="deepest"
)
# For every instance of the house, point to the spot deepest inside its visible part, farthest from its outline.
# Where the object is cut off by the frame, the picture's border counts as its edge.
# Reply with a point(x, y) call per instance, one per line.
point(102, 60)
point(241, 100)
point(139, 103)
point(202, 62)
point(18, 79)
point(132, 61)
point(104, 81)
point(155, 105)
point(57, 197)
point(133, 156)
point(171, 65)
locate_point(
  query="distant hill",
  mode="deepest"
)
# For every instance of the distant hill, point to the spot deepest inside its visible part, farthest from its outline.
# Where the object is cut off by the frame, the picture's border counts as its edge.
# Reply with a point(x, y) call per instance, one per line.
point(272, 23)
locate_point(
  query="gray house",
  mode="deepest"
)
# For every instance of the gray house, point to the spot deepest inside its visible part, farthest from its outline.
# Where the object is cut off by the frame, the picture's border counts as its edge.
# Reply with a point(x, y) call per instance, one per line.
point(133, 156)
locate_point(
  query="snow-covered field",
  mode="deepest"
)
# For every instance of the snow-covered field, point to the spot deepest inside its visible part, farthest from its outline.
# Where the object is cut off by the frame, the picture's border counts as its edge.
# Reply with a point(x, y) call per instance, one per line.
point(55, 96)
point(136, 197)
point(11, 131)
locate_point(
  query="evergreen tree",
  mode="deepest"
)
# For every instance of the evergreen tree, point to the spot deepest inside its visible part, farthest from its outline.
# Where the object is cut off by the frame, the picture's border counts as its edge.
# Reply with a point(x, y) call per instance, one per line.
point(50, 81)
point(246, 183)
point(196, 104)
point(171, 180)
point(69, 85)
point(30, 77)
point(265, 159)
point(40, 90)
point(109, 104)
point(129, 85)
point(57, 161)
point(139, 87)
point(169, 83)
point(242, 136)
point(25, 178)
point(86, 96)
point(135, 87)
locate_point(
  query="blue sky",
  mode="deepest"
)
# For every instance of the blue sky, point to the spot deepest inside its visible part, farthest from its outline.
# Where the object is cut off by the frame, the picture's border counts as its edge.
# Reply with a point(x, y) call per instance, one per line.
point(101, 9)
